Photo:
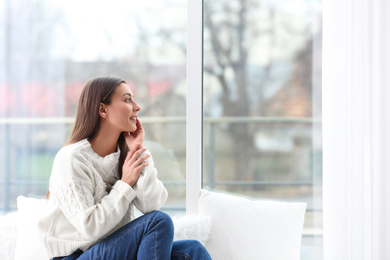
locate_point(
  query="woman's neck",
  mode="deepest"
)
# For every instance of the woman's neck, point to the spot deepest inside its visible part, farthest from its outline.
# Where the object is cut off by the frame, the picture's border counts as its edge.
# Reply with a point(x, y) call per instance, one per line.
point(104, 143)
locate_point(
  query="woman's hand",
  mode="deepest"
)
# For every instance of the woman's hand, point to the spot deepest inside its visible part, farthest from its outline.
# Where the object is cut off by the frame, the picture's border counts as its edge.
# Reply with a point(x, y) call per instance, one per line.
point(136, 137)
point(132, 166)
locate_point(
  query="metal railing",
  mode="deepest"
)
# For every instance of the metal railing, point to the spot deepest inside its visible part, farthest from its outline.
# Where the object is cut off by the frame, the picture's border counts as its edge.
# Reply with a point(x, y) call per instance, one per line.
point(7, 183)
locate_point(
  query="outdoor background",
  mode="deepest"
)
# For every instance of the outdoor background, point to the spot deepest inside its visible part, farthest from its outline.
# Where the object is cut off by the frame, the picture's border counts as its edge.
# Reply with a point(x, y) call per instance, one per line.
point(262, 104)
point(262, 93)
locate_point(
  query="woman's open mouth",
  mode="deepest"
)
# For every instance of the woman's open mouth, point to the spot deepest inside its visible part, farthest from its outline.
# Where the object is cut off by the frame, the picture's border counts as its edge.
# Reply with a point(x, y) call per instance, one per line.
point(134, 118)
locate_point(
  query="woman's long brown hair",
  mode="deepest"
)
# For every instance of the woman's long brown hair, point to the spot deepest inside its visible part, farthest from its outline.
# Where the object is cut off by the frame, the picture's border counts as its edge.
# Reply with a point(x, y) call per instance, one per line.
point(96, 91)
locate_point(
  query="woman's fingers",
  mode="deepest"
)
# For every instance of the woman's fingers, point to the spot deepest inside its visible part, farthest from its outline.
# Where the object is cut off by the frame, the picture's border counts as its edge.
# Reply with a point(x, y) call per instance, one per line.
point(135, 158)
point(135, 137)
point(141, 159)
point(133, 165)
point(128, 156)
point(135, 149)
point(142, 166)
point(136, 154)
point(140, 129)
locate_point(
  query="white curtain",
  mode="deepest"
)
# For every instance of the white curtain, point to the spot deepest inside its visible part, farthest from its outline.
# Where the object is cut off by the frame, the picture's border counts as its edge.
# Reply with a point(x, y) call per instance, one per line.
point(356, 129)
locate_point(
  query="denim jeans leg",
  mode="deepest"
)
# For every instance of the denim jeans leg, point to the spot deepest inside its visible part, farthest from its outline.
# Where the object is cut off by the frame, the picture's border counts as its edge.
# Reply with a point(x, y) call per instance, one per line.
point(147, 237)
point(189, 250)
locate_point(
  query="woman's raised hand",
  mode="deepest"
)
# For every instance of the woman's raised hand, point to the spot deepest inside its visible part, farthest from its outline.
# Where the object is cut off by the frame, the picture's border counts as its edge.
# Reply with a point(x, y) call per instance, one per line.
point(135, 137)
point(133, 165)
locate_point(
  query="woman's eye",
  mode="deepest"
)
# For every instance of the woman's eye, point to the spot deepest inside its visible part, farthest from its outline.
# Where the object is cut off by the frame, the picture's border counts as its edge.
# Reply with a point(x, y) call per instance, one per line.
point(128, 99)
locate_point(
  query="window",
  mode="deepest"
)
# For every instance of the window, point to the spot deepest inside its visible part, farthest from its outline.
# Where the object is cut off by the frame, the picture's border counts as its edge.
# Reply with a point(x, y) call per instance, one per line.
point(261, 126)
point(48, 50)
point(262, 104)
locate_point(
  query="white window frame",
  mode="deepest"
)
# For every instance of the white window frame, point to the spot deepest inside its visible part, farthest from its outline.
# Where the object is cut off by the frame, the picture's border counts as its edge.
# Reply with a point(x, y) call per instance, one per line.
point(194, 117)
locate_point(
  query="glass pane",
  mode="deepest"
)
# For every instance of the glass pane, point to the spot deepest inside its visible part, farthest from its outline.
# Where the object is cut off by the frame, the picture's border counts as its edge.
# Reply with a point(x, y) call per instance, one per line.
point(262, 104)
point(50, 49)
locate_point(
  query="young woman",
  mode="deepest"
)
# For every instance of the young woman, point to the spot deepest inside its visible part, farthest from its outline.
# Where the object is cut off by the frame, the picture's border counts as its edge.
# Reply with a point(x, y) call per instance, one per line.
point(97, 179)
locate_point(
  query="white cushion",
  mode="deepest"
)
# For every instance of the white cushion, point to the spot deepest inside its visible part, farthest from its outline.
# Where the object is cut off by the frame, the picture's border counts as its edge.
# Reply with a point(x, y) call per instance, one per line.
point(192, 227)
point(246, 229)
point(8, 229)
point(28, 244)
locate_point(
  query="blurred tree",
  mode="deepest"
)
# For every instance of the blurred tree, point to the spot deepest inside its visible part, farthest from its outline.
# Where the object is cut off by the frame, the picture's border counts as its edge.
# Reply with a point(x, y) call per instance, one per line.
point(236, 33)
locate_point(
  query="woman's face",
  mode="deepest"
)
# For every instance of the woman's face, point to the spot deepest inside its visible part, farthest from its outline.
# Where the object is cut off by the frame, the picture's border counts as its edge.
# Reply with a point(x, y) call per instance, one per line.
point(122, 111)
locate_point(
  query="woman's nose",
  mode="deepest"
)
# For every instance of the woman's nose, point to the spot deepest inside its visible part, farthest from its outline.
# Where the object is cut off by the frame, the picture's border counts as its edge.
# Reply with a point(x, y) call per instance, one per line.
point(137, 107)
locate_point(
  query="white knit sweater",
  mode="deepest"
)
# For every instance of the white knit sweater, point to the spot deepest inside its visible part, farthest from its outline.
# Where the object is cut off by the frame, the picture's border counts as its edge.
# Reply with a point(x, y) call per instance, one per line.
point(83, 207)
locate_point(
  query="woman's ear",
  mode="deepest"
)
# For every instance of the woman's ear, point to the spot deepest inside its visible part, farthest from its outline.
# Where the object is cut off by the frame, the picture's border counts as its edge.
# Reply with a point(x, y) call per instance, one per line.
point(103, 110)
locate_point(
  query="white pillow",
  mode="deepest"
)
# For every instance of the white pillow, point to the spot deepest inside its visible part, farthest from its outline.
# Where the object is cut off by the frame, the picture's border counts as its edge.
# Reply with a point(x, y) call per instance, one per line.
point(246, 229)
point(28, 244)
point(8, 231)
point(192, 227)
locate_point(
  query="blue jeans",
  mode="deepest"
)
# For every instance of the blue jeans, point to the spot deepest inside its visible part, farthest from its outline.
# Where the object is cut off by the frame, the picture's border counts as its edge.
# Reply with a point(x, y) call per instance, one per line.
point(147, 237)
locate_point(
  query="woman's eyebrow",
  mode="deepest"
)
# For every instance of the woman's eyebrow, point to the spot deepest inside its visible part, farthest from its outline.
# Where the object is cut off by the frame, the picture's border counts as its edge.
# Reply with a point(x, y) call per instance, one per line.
point(127, 94)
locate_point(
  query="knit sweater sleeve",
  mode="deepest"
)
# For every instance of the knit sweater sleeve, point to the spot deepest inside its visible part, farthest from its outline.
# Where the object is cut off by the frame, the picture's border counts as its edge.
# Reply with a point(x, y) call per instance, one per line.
point(75, 189)
point(150, 191)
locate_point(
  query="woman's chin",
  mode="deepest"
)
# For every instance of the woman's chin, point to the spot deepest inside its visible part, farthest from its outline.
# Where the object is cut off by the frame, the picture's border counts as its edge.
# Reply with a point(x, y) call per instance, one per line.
point(132, 130)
